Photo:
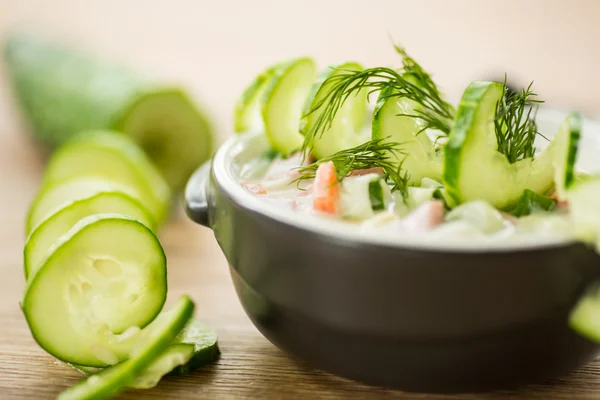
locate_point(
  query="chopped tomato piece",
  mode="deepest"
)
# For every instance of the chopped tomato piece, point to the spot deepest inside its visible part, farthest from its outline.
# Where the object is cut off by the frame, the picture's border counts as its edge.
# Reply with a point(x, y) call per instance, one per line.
point(254, 188)
point(326, 189)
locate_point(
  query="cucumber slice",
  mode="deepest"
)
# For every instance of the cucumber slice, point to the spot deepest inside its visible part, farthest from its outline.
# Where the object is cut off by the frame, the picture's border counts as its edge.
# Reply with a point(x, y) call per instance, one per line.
point(346, 130)
point(105, 276)
point(585, 316)
point(283, 103)
point(196, 345)
point(420, 159)
point(150, 344)
point(114, 157)
point(475, 170)
point(38, 245)
point(583, 197)
point(54, 197)
point(63, 92)
point(171, 130)
point(247, 115)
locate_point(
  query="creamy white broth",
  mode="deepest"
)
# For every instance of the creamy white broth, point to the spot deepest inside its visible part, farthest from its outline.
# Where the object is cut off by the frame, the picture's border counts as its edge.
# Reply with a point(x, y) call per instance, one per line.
point(475, 221)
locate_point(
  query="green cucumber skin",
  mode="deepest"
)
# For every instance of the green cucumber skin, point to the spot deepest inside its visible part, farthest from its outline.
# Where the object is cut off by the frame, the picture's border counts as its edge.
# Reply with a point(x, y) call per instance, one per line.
point(113, 380)
point(465, 115)
point(575, 136)
point(63, 92)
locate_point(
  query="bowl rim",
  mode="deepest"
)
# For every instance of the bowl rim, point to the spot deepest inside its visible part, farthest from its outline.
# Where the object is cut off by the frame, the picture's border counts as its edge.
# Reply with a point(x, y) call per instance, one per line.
point(338, 230)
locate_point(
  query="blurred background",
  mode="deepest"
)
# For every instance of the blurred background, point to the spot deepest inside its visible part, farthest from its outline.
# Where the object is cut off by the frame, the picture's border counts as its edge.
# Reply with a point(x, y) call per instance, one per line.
point(215, 48)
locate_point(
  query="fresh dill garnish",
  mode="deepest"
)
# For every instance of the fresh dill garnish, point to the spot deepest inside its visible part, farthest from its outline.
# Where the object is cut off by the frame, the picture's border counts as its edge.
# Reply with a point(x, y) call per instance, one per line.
point(376, 153)
point(514, 123)
point(410, 82)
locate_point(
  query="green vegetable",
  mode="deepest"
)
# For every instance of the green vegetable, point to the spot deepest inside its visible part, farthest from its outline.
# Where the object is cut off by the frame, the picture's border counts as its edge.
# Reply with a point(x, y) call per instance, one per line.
point(116, 158)
point(474, 169)
point(63, 92)
point(376, 194)
point(105, 279)
point(283, 101)
point(346, 129)
point(391, 120)
point(375, 153)
point(195, 346)
point(39, 244)
point(583, 196)
point(150, 344)
point(247, 114)
point(410, 83)
point(53, 198)
point(531, 202)
point(584, 318)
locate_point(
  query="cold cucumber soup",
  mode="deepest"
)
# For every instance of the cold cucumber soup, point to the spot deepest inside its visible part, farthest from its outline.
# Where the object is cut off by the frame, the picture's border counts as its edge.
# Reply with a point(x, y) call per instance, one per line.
point(413, 166)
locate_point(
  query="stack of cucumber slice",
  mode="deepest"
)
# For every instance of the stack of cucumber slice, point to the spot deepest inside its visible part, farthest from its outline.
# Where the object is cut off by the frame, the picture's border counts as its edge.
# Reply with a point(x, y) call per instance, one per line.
point(96, 271)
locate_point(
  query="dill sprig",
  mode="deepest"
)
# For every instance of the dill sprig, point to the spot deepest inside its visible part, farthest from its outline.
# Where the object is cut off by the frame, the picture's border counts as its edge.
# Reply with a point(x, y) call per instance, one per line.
point(376, 153)
point(410, 82)
point(514, 123)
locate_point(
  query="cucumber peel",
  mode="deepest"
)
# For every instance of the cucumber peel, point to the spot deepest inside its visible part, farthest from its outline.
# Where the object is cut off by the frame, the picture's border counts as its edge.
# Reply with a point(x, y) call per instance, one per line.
point(153, 341)
point(63, 92)
point(346, 130)
point(195, 346)
point(83, 303)
point(475, 170)
point(420, 160)
point(283, 102)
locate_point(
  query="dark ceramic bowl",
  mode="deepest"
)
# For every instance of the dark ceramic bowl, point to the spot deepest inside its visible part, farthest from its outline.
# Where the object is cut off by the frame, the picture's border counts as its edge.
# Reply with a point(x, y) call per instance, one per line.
point(416, 316)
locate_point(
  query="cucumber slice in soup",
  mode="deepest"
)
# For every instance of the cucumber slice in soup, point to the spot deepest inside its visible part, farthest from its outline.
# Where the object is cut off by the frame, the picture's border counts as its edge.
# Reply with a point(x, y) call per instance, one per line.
point(54, 197)
point(283, 104)
point(420, 159)
point(346, 130)
point(150, 344)
point(583, 198)
point(475, 170)
point(105, 279)
point(39, 244)
point(247, 115)
point(165, 123)
point(114, 157)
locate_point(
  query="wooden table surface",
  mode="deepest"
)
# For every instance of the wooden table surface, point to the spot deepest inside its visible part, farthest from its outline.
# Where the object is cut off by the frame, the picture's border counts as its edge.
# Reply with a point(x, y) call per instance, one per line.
point(250, 367)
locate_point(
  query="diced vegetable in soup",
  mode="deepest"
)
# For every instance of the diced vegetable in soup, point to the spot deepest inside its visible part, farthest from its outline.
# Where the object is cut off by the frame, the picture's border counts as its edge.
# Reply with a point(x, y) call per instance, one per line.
point(421, 166)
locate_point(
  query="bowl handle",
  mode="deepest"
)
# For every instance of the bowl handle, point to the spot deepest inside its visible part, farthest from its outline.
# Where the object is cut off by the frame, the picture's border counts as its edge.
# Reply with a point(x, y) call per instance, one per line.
point(196, 204)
